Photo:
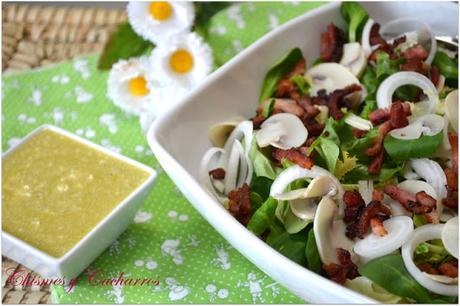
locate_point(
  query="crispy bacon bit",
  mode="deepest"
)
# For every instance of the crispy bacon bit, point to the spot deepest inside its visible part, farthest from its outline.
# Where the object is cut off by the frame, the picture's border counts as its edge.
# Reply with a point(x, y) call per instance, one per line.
point(239, 204)
point(374, 209)
point(376, 164)
point(451, 200)
point(258, 119)
point(288, 106)
point(294, 155)
point(453, 139)
point(375, 38)
point(427, 268)
point(425, 199)
point(287, 88)
point(377, 227)
point(377, 195)
point(358, 133)
point(354, 203)
point(432, 217)
point(416, 52)
point(435, 74)
point(346, 269)
point(415, 58)
point(395, 118)
point(335, 100)
point(421, 203)
point(332, 44)
point(398, 117)
point(217, 174)
point(449, 268)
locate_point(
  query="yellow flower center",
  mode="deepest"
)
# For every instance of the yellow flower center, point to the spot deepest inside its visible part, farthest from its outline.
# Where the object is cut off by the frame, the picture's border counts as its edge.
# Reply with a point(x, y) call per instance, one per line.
point(138, 86)
point(160, 10)
point(181, 61)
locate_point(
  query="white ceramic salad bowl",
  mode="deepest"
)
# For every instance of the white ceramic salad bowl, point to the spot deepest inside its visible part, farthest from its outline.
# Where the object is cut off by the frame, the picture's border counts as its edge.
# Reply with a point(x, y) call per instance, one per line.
point(180, 137)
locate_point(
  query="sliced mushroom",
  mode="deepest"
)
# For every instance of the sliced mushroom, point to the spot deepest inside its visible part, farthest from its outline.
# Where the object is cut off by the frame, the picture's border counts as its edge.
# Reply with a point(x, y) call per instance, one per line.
point(283, 131)
point(322, 225)
point(354, 58)
point(420, 235)
point(428, 125)
point(449, 236)
point(219, 133)
point(432, 173)
point(399, 229)
point(332, 76)
point(451, 109)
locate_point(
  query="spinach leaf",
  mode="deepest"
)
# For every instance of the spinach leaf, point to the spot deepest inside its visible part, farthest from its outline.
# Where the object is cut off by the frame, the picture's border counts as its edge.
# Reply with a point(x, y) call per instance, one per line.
point(261, 185)
point(291, 246)
point(370, 81)
point(369, 107)
point(356, 16)
point(311, 252)
point(447, 65)
point(268, 109)
point(302, 84)
point(401, 150)
point(278, 71)
point(390, 273)
point(263, 217)
point(262, 165)
point(385, 66)
point(123, 44)
point(327, 144)
point(360, 173)
point(256, 200)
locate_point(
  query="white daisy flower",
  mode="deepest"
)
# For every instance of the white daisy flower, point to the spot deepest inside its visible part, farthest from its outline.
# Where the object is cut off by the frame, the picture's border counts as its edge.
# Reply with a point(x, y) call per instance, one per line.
point(128, 84)
point(185, 60)
point(162, 99)
point(157, 21)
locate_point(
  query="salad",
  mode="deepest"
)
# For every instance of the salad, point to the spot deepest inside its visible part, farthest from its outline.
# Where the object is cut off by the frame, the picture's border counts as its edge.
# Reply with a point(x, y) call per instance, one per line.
point(349, 166)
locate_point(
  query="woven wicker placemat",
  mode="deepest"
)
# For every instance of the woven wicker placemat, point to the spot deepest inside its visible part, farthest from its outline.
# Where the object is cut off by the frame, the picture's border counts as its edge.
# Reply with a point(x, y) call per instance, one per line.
point(35, 36)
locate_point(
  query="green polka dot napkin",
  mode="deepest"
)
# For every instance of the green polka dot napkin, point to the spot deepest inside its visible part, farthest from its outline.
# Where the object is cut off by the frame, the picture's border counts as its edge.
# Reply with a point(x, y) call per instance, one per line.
point(168, 241)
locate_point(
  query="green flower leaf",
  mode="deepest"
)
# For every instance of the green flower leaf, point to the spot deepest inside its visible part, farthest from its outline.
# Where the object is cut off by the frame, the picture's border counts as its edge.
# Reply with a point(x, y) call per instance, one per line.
point(123, 44)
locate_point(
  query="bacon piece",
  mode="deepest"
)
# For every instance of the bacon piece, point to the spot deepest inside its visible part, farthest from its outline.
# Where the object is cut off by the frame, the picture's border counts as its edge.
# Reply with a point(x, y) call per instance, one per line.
point(427, 268)
point(372, 210)
point(288, 106)
point(346, 269)
point(451, 203)
point(335, 100)
point(377, 195)
point(332, 44)
point(375, 38)
point(258, 119)
point(294, 155)
point(287, 88)
point(358, 133)
point(435, 74)
point(377, 227)
point(425, 199)
point(354, 203)
point(398, 117)
point(449, 268)
point(421, 203)
point(379, 116)
point(416, 52)
point(239, 204)
point(376, 164)
point(217, 174)
point(453, 139)
point(376, 148)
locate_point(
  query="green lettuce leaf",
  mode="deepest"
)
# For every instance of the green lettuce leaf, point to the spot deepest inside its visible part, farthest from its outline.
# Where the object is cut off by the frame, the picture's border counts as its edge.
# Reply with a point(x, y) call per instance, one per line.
point(311, 252)
point(278, 71)
point(432, 252)
point(360, 173)
point(447, 65)
point(356, 16)
point(302, 84)
point(291, 246)
point(261, 164)
point(402, 150)
point(390, 273)
point(365, 286)
point(261, 185)
point(263, 217)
